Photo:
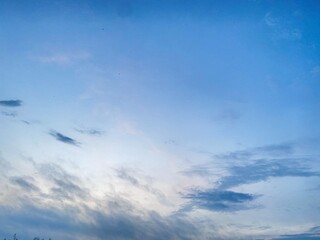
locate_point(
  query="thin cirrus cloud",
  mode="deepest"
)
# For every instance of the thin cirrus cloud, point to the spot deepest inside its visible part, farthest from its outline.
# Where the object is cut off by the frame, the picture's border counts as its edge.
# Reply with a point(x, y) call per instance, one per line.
point(216, 200)
point(9, 114)
point(62, 58)
point(311, 234)
point(125, 175)
point(264, 169)
point(93, 132)
point(283, 149)
point(64, 185)
point(11, 103)
point(25, 183)
point(62, 138)
point(282, 29)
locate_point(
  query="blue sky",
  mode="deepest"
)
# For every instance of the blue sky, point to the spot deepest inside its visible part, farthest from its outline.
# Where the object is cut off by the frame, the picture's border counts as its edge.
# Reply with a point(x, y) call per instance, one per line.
point(160, 119)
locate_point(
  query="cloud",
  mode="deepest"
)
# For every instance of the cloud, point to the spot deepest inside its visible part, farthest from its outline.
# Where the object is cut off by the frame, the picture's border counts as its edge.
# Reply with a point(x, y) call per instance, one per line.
point(245, 156)
point(89, 131)
point(244, 167)
point(198, 170)
point(65, 139)
point(11, 103)
point(282, 29)
point(4, 165)
point(110, 217)
point(267, 150)
point(126, 175)
point(25, 183)
point(216, 200)
point(67, 223)
point(63, 58)
point(261, 170)
point(64, 185)
point(227, 115)
point(313, 233)
point(9, 114)
point(26, 122)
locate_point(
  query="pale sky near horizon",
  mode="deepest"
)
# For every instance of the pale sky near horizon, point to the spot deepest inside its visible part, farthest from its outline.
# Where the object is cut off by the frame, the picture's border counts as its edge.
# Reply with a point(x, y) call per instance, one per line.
point(138, 119)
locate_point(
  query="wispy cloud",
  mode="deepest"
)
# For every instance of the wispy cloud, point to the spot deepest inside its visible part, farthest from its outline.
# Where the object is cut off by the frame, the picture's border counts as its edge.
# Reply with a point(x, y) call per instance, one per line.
point(198, 170)
point(63, 58)
point(216, 200)
point(227, 115)
point(245, 167)
point(79, 222)
point(25, 183)
point(261, 170)
point(94, 132)
point(11, 103)
point(273, 150)
point(312, 234)
point(64, 185)
point(69, 210)
point(9, 114)
point(127, 175)
point(4, 165)
point(65, 139)
point(281, 28)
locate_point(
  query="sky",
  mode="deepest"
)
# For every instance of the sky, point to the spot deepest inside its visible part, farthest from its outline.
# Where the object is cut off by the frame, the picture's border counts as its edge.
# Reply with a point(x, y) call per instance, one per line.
point(164, 120)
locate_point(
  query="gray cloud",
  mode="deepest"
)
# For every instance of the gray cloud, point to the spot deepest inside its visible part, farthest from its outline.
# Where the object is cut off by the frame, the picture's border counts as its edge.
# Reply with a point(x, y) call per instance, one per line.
point(89, 131)
point(4, 165)
point(26, 122)
point(125, 175)
point(25, 183)
point(116, 219)
point(227, 115)
point(245, 167)
point(9, 114)
point(313, 233)
point(11, 103)
point(112, 217)
point(216, 200)
point(283, 149)
point(65, 139)
point(198, 170)
point(261, 170)
point(65, 186)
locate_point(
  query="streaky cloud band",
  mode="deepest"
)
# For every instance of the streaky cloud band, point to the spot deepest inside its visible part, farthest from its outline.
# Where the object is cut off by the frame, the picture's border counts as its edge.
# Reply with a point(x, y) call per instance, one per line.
point(11, 103)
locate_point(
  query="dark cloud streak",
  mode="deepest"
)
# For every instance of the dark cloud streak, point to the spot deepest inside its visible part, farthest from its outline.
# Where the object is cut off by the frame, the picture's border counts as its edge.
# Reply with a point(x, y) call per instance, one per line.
point(65, 139)
point(215, 200)
point(11, 103)
point(24, 183)
point(262, 170)
point(9, 114)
